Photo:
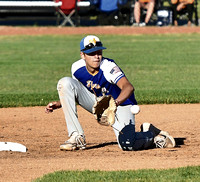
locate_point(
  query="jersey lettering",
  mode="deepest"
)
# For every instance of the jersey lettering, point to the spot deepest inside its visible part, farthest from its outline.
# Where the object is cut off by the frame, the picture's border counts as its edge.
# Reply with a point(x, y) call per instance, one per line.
point(92, 86)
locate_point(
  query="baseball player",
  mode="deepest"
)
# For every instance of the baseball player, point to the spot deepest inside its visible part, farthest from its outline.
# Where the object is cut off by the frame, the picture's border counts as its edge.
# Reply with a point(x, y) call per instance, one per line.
point(93, 76)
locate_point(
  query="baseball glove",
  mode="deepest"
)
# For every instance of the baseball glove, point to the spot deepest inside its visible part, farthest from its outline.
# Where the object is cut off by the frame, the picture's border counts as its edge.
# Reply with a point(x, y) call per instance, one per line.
point(104, 110)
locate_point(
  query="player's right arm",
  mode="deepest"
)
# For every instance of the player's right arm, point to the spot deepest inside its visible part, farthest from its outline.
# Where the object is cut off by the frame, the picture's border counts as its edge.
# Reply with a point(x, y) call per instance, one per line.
point(127, 90)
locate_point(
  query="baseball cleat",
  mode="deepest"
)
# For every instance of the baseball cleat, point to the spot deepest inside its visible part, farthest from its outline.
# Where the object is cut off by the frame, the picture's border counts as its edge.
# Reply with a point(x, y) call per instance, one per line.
point(68, 146)
point(162, 139)
point(75, 142)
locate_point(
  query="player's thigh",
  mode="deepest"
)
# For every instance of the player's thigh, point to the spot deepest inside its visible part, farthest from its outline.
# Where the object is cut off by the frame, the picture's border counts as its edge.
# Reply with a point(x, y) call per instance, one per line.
point(85, 98)
point(73, 89)
point(124, 115)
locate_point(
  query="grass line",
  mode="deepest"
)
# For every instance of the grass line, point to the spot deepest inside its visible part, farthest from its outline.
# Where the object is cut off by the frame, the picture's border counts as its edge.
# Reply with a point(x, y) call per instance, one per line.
point(184, 174)
point(162, 68)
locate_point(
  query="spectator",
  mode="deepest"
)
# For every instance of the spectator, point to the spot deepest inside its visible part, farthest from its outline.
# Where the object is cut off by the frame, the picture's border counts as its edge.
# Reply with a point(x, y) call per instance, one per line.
point(143, 4)
point(178, 5)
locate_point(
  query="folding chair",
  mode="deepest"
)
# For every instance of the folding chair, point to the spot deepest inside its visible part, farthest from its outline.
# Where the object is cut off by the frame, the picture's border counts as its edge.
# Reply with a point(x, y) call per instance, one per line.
point(67, 10)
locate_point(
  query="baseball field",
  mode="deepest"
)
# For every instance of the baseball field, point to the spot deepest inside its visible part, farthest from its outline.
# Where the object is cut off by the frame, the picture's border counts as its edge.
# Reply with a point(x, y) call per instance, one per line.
point(163, 64)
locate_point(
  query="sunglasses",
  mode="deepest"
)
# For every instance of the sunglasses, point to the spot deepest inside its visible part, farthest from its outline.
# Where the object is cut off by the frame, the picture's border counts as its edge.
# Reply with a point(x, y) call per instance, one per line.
point(91, 45)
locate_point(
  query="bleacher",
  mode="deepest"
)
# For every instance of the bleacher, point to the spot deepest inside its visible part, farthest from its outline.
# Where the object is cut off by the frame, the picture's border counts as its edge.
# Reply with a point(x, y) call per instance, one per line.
point(77, 12)
point(28, 11)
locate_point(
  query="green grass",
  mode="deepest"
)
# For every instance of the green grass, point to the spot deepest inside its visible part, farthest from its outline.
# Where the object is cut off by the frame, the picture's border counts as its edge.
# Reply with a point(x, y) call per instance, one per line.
point(162, 68)
point(186, 174)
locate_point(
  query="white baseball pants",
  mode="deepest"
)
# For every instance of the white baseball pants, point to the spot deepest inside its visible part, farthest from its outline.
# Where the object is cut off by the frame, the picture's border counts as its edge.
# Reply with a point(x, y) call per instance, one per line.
point(72, 91)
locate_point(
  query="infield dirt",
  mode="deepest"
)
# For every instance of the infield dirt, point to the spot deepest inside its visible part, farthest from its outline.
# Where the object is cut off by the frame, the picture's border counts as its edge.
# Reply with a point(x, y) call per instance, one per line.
point(42, 133)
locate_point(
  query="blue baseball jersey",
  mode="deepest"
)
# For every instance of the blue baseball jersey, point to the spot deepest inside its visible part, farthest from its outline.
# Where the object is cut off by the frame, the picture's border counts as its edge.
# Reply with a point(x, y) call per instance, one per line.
point(104, 81)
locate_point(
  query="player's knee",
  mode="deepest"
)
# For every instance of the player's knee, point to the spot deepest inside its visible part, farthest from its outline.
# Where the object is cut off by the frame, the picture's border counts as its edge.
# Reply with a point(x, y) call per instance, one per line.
point(126, 137)
point(64, 83)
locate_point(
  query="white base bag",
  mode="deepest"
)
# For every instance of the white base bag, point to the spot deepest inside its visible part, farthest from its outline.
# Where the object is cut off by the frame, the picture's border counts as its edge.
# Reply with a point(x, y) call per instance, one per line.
point(11, 146)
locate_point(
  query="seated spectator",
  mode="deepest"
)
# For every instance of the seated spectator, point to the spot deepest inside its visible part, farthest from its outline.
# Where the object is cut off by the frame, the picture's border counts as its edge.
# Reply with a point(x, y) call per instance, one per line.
point(143, 4)
point(178, 5)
